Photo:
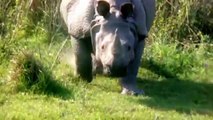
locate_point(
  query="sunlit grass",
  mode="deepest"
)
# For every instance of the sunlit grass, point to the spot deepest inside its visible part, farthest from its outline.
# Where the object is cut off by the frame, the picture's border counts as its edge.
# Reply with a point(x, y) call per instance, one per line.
point(168, 95)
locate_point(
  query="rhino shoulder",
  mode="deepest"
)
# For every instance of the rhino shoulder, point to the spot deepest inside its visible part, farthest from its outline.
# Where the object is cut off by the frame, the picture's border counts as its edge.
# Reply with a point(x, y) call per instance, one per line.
point(77, 15)
point(65, 4)
point(149, 6)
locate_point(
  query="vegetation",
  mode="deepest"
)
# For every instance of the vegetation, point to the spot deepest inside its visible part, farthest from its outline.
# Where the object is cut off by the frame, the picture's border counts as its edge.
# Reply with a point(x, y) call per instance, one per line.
point(37, 83)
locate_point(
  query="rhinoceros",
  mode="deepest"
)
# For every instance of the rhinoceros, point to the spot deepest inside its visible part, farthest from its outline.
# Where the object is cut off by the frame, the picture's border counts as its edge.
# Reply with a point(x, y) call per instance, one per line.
point(108, 37)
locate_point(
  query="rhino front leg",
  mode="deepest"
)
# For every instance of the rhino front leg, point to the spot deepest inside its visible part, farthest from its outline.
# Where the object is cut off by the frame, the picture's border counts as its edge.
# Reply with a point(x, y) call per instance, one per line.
point(128, 83)
point(82, 58)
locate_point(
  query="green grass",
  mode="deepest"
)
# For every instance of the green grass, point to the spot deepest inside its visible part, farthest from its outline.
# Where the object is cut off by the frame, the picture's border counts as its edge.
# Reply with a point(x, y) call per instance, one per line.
point(174, 90)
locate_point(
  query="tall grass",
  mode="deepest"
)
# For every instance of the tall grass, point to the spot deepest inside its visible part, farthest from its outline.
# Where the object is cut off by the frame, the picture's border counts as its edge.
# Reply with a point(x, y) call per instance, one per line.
point(177, 42)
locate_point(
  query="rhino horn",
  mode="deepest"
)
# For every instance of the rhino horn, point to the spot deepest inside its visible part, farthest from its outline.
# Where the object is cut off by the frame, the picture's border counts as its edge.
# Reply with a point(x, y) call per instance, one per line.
point(116, 42)
point(103, 8)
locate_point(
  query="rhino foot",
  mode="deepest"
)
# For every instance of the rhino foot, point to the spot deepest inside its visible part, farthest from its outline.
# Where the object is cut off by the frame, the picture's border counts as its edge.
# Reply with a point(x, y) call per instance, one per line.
point(129, 86)
point(134, 92)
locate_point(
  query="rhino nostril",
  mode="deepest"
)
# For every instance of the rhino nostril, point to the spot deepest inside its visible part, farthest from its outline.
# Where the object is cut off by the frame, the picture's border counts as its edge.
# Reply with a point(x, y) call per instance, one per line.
point(128, 48)
point(103, 47)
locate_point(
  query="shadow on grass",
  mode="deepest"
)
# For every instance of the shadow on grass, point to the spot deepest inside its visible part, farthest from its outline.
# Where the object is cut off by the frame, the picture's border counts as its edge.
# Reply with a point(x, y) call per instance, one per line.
point(30, 75)
point(184, 96)
point(54, 88)
point(46, 86)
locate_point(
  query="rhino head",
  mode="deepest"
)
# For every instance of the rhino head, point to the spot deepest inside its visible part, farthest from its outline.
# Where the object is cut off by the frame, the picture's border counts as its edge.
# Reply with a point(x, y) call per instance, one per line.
point(113, 39)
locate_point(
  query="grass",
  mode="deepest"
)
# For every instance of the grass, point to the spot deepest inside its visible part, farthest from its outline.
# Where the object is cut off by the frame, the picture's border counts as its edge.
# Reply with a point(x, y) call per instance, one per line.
point(170, 93)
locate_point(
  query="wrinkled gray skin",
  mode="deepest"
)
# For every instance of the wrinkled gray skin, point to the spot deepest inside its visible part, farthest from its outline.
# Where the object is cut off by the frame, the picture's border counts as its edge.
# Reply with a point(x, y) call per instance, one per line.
point(114, 47)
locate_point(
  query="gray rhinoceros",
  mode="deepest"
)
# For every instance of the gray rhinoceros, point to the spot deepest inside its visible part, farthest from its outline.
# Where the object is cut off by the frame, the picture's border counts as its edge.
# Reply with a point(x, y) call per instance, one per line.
point(107, 36)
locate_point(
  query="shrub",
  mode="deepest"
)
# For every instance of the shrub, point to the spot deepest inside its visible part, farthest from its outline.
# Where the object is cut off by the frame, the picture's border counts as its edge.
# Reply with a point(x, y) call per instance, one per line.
point(27, 73)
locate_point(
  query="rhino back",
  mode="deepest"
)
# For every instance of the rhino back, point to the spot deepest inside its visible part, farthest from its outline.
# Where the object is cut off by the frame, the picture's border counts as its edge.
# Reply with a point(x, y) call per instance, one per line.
point(77, 15)
point(149, 6)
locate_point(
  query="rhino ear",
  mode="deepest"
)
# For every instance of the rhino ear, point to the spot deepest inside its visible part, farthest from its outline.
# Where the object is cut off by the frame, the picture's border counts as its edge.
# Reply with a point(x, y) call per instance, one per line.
point(126, 9)
point(103, 8)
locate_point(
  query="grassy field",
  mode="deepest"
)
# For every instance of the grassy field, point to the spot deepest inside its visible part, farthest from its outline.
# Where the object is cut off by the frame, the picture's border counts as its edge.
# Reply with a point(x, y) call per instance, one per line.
point(61, 96)
point(36, 80)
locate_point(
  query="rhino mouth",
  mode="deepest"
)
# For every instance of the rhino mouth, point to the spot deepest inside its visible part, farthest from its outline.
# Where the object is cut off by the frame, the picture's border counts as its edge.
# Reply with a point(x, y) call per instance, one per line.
point(108, 70)
point(115, 71)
